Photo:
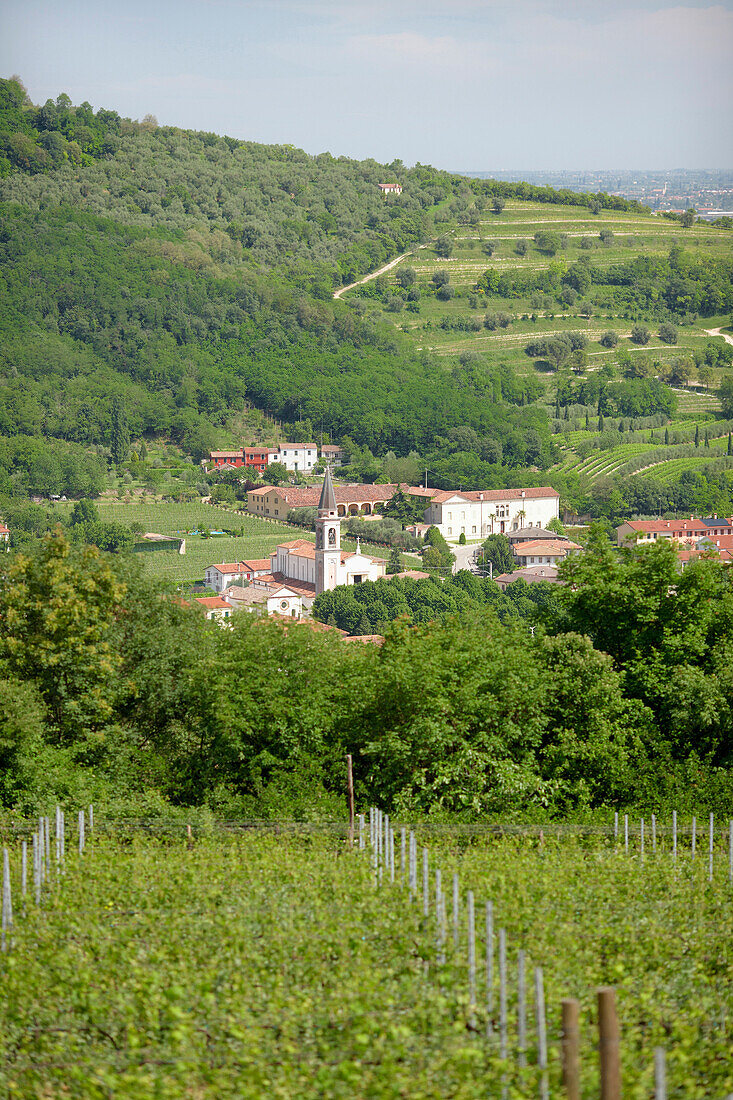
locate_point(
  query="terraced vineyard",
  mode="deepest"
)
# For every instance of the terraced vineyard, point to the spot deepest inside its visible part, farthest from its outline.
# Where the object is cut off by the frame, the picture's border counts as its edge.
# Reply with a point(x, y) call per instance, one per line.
point(631, 235)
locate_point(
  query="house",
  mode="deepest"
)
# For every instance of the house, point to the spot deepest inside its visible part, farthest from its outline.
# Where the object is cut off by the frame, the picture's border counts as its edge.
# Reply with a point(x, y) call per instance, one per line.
point(646, 531)
point(214, 607)
point(298, 456)
point(531, 574)
point(331, 455)
point(480, 513)
point(278, 599)
point(531, 534)
point(544, 551)
point(230, 459)
point(219, 577)
point(259, 458)
point(5, 536)
point(390, 188)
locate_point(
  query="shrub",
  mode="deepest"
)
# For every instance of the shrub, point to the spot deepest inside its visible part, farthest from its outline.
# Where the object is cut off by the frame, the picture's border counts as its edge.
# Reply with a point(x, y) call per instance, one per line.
point(609, 339)
point(640, 334)
point(668, 332)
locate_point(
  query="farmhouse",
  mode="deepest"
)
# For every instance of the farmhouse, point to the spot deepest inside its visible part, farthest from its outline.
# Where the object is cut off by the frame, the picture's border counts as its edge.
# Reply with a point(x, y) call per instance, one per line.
point(390, 188)
point(351, 500)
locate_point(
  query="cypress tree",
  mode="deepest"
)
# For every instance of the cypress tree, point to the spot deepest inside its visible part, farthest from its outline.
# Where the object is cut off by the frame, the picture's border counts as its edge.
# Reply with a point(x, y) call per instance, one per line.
point(666, 437)
point(697, 435)
point(587, 420)
point(119, 431)
point(730, 444)
point(707, 441)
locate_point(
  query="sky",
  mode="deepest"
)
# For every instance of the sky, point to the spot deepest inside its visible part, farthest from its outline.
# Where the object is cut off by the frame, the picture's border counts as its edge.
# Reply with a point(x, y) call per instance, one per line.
point(475, 85)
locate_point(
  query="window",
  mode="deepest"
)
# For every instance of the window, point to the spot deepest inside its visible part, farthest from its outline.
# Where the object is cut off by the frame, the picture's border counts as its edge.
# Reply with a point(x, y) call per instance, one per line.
point(473, 530)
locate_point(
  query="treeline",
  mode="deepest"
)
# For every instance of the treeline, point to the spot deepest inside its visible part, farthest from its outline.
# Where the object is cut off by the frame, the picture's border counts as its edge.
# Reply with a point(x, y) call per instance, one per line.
point(676, 286)
point(118, 694)
point(39, 139)
point(368, 608)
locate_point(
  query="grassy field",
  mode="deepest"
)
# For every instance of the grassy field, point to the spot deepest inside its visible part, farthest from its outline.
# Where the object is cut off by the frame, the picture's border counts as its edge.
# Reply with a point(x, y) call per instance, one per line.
point(267, 963)
point(253, 538)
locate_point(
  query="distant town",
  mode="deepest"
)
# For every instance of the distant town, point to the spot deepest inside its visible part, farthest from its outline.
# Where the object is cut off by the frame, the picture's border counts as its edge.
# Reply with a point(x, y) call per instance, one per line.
point(709, 192)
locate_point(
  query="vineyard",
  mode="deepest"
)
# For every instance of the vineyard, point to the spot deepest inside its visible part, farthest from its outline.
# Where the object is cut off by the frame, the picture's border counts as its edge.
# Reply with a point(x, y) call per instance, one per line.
point(230, 961)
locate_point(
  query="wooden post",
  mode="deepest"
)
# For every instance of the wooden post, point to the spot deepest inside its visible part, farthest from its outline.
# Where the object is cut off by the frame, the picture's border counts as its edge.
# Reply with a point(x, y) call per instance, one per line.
point(350, 784)
point(609, 1045)
point(571, 1049)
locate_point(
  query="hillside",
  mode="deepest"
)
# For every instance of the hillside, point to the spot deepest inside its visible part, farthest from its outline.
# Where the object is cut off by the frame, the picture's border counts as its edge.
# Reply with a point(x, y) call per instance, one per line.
point(611, 316)
point(161, 283)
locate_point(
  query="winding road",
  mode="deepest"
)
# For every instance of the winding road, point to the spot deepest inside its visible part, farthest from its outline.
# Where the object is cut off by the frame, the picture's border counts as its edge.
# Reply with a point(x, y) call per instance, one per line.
point(719, 332)
point(379, 271)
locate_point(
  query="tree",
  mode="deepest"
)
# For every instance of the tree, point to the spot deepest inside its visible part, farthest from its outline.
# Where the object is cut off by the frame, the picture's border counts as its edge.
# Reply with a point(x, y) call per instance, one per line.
point(668, 332)
point(394, 562)
point(119, 434)
point(725, 393)
point(688, 218)
point(498, 204)
point(497, 549)
point(441, 277)
point(444, 246)
point(609, 339)
point(606, 236)
point(521, 247)
point(406, 277)
point(640, 334)
point(547, 241)
point(277, 473)
point(405, 508)
point(59, 613)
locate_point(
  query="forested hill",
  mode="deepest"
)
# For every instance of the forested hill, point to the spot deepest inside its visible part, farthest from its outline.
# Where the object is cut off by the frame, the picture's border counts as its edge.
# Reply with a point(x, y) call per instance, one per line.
point(179, 275)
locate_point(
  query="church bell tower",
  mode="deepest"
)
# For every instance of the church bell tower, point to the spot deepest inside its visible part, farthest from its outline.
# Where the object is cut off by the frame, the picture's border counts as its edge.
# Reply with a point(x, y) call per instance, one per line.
point(328, 538)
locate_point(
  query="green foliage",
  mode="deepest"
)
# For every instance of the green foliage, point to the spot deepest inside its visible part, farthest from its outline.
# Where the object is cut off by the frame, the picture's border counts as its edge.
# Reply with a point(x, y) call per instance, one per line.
point(497, 549)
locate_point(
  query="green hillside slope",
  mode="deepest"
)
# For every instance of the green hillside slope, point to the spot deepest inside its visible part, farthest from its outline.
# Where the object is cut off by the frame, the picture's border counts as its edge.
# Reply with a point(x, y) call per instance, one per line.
point(156, 282)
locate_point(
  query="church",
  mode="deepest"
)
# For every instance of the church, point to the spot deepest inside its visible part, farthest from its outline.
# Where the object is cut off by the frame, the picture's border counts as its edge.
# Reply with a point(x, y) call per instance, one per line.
point(309, 570)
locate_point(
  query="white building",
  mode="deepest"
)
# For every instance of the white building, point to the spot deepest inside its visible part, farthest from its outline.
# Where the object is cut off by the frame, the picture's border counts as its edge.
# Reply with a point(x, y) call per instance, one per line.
point(297, 456)
point(275, 599)
point(226, 573)
point(480, 513)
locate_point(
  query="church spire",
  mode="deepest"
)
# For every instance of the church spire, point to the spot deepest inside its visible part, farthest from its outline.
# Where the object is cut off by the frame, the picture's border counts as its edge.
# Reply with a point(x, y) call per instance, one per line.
point(327, 502)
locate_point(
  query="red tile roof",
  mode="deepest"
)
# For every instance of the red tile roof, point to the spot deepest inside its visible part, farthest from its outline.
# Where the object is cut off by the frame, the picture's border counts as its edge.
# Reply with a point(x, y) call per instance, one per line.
point(548, 547)
point(212, 602)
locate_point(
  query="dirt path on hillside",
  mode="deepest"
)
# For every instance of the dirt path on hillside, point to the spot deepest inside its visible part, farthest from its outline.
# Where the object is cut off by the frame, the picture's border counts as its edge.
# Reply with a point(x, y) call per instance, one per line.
point(379, 271)
point(719, 332)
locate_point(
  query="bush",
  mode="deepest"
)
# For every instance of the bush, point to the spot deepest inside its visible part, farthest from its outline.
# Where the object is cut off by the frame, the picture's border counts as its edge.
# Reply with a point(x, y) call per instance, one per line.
point(609, 339)
point(640, 334)
point(668, 333)
point(446, 292)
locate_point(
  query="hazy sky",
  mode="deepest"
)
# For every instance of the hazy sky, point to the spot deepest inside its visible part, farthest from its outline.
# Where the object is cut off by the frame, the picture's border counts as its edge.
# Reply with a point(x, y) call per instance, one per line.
point(463, 84)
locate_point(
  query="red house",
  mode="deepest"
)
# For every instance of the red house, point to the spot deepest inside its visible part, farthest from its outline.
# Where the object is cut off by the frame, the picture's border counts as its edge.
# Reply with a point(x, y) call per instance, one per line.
point(233, 458)
point(259, 458)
